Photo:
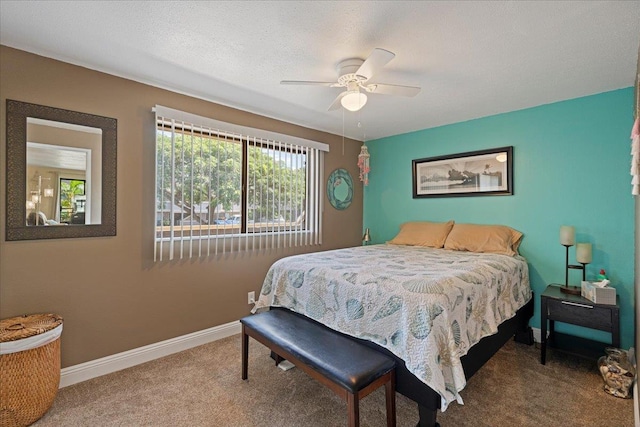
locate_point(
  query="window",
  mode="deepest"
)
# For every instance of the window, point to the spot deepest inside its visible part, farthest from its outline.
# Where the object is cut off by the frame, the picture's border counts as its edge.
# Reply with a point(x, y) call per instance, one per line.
point(72, 201)
point(223, 188)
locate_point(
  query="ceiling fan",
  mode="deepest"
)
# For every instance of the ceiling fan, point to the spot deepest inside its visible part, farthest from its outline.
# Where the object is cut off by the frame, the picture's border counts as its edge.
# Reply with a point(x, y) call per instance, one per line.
point(353, 74)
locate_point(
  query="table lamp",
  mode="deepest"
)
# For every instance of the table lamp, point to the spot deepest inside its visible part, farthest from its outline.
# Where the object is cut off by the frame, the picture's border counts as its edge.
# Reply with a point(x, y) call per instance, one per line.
point(583, 256)
point(367, 237)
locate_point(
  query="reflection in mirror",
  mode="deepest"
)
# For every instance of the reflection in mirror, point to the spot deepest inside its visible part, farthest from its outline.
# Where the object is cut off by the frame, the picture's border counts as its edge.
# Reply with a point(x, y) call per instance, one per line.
point(61, 173)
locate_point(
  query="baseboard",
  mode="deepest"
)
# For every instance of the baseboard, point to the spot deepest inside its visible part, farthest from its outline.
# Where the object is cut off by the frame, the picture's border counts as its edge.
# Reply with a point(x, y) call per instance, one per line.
point(106, 365)
point(537, 334)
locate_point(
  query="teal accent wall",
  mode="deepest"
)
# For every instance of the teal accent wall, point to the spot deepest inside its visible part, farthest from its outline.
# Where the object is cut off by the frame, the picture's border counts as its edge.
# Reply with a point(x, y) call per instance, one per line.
point(571, 167)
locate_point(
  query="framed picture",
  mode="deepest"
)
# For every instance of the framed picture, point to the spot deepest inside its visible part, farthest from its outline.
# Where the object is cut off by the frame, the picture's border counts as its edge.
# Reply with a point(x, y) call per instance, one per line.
point(476, 173)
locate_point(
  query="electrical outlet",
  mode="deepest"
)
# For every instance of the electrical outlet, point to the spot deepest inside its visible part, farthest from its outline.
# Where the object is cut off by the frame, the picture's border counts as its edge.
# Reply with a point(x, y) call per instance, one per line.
point(251, 297)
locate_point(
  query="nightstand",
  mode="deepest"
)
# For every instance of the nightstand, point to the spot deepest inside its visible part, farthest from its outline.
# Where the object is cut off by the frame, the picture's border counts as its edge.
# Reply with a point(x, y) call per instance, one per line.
point(567, 308)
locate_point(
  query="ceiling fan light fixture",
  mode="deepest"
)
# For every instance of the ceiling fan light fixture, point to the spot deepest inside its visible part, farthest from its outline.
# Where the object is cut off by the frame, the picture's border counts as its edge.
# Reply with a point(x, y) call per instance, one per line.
point(353, 100)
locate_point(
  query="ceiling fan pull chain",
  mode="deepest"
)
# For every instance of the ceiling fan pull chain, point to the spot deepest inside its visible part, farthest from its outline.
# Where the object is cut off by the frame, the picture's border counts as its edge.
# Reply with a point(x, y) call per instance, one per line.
point(343, 132)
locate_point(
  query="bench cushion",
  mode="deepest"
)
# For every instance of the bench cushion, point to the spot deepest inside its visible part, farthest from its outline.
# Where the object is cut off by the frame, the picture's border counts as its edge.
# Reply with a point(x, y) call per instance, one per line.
point(345, 362)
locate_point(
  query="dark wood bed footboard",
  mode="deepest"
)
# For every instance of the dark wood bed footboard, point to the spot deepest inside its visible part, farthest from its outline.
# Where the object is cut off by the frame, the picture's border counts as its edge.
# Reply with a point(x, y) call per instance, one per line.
point(428, 400)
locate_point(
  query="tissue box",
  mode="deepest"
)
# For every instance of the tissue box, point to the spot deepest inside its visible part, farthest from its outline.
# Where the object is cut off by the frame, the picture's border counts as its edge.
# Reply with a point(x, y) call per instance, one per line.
point(597, 294)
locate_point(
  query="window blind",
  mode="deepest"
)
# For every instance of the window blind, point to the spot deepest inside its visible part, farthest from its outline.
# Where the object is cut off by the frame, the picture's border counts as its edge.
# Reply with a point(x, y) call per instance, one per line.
point(223, 188)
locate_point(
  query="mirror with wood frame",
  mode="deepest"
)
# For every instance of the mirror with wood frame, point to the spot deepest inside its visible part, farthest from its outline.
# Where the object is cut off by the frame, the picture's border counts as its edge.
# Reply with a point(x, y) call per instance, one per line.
point(61, 173)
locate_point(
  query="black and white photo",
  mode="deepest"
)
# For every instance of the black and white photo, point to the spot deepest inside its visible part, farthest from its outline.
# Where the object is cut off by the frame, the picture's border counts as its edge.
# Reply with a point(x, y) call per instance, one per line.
point(485, 172)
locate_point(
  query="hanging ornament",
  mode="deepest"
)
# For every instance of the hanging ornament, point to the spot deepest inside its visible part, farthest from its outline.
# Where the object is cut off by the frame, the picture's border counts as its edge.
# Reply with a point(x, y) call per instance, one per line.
point(363, 158)
point(363, 164)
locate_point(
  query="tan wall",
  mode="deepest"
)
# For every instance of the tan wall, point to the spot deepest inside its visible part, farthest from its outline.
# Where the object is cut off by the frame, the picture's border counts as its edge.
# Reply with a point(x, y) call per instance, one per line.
point(112, 296)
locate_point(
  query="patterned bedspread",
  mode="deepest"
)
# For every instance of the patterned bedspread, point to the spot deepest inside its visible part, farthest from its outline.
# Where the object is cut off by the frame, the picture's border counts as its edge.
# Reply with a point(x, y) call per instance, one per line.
point(427, 306)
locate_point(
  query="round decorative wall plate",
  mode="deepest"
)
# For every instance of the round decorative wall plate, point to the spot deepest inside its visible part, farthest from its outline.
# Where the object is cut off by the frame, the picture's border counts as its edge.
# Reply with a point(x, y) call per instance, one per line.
point(340, 189)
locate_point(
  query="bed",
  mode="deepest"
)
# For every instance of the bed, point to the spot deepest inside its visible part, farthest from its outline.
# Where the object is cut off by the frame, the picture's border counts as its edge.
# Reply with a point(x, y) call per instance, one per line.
point(440, 313)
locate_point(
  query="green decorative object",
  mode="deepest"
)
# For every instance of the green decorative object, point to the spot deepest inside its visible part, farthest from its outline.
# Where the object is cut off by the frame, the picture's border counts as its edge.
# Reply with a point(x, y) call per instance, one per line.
point(340, 189)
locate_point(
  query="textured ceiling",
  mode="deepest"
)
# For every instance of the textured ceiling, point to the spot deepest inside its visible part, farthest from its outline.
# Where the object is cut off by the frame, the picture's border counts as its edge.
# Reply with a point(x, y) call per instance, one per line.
point(472, 59)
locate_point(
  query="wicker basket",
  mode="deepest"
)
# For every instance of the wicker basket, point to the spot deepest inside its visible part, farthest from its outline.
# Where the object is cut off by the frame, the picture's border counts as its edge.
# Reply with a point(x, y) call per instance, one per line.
point(30, 377)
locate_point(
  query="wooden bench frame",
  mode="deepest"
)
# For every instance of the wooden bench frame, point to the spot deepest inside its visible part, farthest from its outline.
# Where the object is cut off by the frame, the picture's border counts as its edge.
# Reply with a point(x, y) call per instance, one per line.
point(353, 399)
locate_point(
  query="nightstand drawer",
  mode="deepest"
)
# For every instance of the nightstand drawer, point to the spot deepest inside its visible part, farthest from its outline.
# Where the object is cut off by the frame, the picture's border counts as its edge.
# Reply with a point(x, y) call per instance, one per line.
point(586, 315)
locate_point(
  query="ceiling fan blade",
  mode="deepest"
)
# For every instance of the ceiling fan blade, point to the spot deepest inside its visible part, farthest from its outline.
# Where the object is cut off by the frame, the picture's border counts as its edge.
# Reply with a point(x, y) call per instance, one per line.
point(398, 90)
point(336, 102)
point(378, 59)
point(306, 82)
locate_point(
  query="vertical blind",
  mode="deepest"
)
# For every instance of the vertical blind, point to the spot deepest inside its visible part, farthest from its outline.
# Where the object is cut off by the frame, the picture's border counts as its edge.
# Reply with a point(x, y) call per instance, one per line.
point(223, 188)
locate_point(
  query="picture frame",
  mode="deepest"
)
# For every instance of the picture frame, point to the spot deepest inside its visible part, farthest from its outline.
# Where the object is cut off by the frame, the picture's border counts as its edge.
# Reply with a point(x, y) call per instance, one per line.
point(475, 173)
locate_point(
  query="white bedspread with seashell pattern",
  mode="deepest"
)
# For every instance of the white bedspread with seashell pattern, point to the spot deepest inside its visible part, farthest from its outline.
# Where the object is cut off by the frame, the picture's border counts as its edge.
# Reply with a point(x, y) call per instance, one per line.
point(427, 306)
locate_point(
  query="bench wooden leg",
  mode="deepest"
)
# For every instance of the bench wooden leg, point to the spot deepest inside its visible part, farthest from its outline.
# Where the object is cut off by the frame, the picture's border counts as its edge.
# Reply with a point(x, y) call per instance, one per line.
point(354, 410)
point(245, 353)
point(278, 359)
point(390, 393)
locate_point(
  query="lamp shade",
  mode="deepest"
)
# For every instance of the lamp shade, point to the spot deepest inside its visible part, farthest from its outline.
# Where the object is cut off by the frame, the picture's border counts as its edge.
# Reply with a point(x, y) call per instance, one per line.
point(567, 235)
point(353, 100)
point(583, 253)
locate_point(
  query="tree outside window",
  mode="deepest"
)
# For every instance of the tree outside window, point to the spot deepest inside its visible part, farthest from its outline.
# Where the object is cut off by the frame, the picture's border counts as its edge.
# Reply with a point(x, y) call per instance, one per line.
point(69, 189)
point(205, 184)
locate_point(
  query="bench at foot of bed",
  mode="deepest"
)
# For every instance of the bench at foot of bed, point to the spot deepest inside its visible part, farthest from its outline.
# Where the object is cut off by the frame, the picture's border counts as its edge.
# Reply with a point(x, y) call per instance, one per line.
point(350, 369)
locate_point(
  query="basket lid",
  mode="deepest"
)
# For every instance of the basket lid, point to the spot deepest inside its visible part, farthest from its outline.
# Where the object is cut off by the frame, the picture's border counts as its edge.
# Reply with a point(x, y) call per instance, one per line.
point(17, 328)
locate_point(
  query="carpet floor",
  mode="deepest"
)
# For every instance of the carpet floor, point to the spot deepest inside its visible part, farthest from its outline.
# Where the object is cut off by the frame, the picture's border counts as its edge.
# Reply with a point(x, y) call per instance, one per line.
point(202, 387)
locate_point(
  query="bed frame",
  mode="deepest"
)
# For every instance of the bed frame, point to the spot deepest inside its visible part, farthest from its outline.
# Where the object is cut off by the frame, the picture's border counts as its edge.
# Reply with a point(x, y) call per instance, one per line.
point(428, 400)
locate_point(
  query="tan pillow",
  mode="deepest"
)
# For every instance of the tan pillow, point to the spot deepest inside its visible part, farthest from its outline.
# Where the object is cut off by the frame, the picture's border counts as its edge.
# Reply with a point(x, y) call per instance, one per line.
point(423, 233)
point(496, 239)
